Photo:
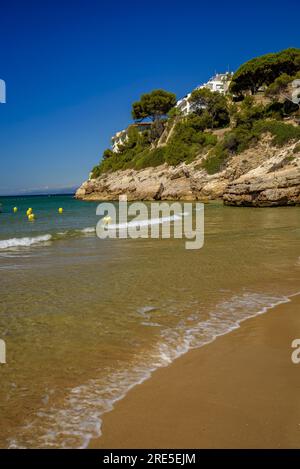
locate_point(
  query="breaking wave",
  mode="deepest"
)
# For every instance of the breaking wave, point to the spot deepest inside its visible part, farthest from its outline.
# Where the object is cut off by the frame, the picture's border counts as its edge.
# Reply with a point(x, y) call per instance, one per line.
point(14, 243)
point(24, 242)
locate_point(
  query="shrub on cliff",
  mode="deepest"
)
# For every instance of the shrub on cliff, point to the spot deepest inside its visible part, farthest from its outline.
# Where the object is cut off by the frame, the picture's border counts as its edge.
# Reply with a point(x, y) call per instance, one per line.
point(234, 141)
point(108, 153)
point(187, 141)
point(249, 112)
point(279, 85)
point(239, 139)
point(178, 152)
point(215, 159)
point(96, 171)
point(282, 133)
point(135, 144)
point(149, 158)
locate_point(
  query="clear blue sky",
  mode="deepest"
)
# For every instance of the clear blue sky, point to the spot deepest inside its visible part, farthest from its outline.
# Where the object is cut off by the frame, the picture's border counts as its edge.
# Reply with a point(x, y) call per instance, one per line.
point(73, 68)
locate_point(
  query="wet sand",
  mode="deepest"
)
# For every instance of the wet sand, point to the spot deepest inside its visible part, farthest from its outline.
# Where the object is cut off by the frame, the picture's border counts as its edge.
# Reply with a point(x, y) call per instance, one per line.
point(240, 391)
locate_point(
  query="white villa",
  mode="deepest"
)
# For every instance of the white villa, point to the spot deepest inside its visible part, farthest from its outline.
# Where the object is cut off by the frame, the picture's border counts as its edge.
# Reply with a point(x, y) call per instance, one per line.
point(296, 91)
point(118, 139)
point(220, 82)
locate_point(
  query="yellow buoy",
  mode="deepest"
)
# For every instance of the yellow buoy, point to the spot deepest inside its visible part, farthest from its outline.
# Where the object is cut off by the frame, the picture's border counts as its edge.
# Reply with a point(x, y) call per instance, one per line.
point(15, 209)
point(60, 210)
point(29, 211)
point(31, 217)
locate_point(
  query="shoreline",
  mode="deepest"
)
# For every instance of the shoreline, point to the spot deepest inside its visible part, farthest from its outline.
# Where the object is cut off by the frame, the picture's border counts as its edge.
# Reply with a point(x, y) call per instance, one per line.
point(248, 399)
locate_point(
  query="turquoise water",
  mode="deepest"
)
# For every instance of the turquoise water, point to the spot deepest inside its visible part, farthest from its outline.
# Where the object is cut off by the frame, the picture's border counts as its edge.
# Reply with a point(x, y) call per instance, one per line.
point(86, 319)
point(77, 216)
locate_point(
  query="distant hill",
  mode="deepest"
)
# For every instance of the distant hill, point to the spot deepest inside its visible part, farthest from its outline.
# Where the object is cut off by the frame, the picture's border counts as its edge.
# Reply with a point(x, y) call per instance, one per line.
point(43, 191)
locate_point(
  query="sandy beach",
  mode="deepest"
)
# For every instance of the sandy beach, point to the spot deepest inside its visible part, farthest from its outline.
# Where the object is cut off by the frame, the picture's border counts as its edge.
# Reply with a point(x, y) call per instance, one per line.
point(240, 391)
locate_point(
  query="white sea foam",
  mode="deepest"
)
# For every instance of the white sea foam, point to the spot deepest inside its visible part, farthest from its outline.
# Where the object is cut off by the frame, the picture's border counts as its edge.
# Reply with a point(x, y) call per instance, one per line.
point(23, 242)
point(76, 232)
point(148, 222)
point(79, 419)
point(11, 243)
point(89, 229)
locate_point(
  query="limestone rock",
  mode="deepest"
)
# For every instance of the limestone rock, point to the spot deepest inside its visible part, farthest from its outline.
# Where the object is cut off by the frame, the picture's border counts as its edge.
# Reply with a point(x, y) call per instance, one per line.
point(261, 176)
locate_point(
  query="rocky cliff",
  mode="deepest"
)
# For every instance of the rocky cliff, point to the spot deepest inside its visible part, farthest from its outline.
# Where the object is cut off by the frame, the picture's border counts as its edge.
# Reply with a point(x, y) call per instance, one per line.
point(260, 176)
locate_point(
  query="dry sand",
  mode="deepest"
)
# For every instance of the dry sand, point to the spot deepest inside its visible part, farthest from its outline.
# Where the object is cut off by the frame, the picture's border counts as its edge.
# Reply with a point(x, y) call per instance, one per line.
point(240, 391)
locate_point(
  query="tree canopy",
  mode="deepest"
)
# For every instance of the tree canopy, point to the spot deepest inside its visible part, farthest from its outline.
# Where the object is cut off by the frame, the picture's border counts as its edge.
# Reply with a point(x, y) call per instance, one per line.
point(211, 106)
point(264, 70)
point(153, 105)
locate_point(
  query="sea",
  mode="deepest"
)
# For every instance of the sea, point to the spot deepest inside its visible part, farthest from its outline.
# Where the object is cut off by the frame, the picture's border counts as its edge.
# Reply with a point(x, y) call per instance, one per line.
point(85, 319)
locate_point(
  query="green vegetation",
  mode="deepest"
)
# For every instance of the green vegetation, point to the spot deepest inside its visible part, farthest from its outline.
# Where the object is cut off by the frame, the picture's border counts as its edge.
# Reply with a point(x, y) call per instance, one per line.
point(137, 152)
point(137, 144)
point(153, 105)
point(173, 138)
point(152, 158)
point(241, 138)
point(280, 84)
point(212, 107)
point(262, 71)
point(187, 141)
point(282, 133)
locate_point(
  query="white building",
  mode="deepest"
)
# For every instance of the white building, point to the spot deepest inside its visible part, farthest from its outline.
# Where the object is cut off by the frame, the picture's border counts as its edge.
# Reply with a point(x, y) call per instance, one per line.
point(296, 91)
point(118, 139)
point(220, 83)
point(184, 104)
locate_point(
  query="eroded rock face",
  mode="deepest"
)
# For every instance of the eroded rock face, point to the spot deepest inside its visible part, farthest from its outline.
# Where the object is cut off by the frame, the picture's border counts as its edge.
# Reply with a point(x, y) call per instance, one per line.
point(183, 182)
point(273, 183)
point(260, 176)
